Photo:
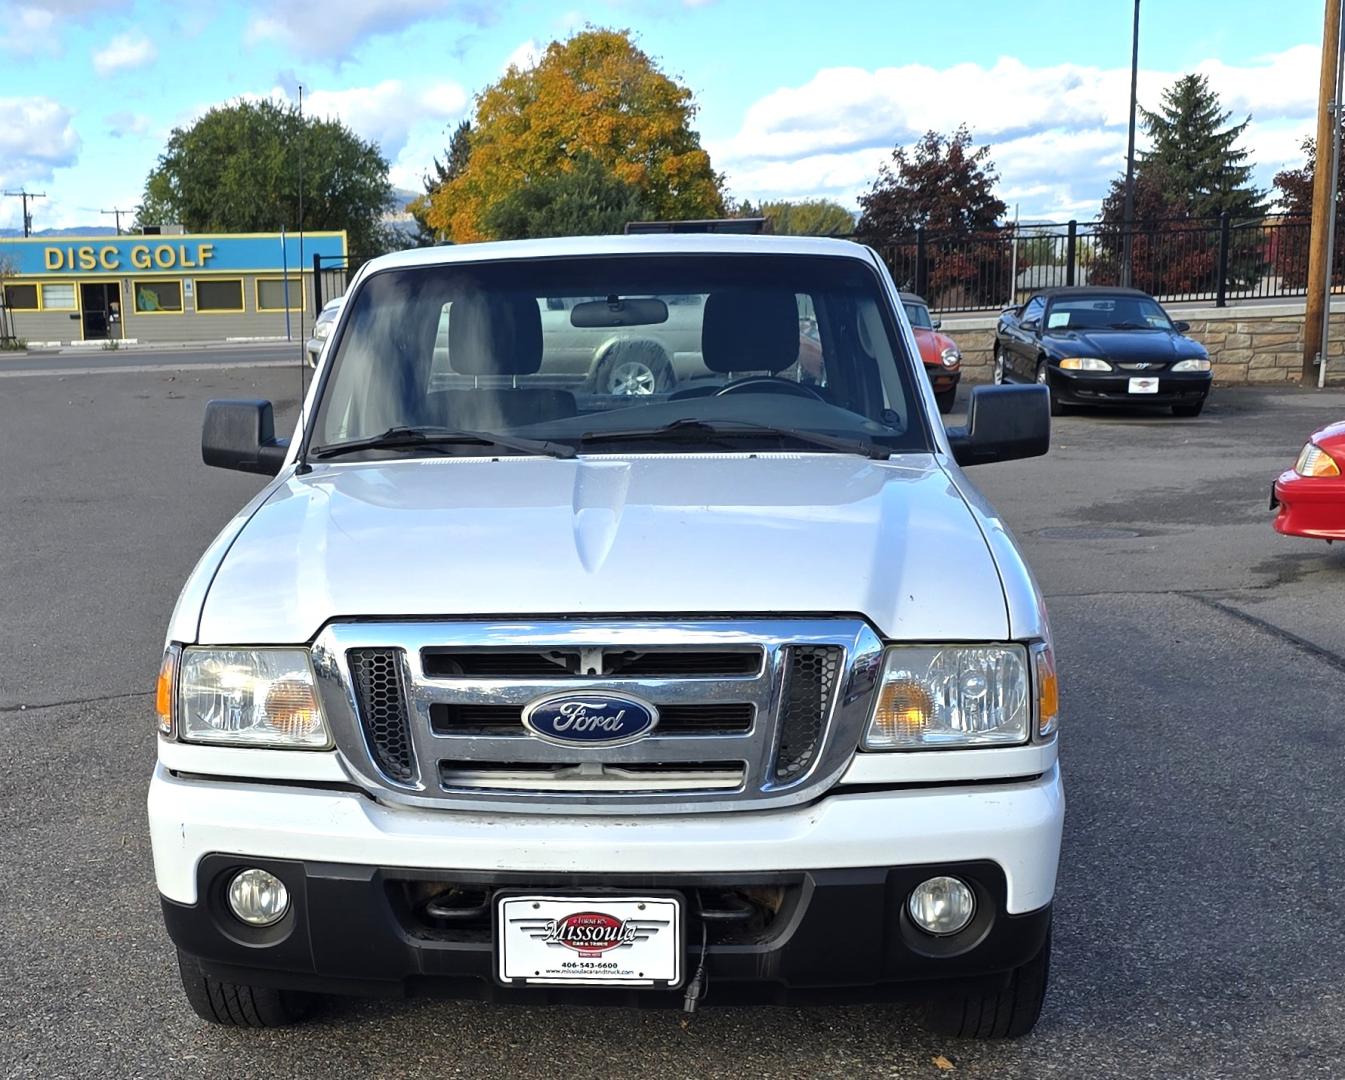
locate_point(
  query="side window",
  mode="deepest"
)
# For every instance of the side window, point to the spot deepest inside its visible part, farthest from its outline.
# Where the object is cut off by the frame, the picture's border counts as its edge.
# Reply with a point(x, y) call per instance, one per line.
point(812, 362)
point(1033, 311)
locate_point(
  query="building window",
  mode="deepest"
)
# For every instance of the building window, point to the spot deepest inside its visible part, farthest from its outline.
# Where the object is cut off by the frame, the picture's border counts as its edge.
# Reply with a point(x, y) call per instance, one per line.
point(58, 297)
point(215, 295)
point(271, 294)
point(21, 297)
point(157, 297)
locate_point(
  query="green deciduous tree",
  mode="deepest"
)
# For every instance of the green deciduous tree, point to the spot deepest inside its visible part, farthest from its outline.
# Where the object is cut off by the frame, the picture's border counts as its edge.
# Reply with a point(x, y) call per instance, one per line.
point(237, 170)
point(594, 94)
point(811, 217)
point(583, 200)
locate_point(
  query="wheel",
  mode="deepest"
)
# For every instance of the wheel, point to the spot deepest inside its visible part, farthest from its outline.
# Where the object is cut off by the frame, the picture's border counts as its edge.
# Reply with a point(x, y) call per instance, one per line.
point(946, 399)
point(1188, 410)
point(238, 1005)
point(1001, 375)
point(1044, 379)
point(633, 369)
point(995, 1014)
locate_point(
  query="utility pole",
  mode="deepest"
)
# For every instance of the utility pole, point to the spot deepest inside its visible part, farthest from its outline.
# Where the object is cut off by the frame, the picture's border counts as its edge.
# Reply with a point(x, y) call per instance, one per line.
point(1129, 212)
point(118, 214)
point(25, 196)
point(1319, 253)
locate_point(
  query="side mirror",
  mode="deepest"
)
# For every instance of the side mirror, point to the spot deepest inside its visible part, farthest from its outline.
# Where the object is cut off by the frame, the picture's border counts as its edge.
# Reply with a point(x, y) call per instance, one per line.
point(1181, 327)
point(241, 435)
point(936, 323)
point(1031, 326)
point(1003, 423)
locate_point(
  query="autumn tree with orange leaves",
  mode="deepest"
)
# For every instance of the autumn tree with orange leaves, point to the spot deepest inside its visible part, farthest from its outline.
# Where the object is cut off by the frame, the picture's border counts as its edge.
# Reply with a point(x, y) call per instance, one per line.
point(594, 97)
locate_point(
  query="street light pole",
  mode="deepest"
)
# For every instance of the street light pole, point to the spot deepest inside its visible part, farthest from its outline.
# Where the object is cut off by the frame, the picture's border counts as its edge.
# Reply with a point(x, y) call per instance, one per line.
point(1130, 150)
point(1318, 308)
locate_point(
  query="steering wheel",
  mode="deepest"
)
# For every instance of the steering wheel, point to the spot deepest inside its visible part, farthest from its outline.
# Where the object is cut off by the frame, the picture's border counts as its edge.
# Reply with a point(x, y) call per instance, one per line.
point(769, 384)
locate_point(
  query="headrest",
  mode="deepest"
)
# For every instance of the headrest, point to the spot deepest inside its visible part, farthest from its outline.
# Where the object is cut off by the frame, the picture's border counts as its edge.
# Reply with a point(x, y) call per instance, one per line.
point(750, 330)
point(495, 334)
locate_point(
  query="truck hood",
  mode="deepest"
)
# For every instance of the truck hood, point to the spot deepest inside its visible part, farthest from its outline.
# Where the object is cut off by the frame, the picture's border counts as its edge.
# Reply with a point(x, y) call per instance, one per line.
point(685, 534)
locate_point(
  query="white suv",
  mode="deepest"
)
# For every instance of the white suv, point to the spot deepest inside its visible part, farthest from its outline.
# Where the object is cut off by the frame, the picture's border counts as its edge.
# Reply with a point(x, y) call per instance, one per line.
point(732, 691)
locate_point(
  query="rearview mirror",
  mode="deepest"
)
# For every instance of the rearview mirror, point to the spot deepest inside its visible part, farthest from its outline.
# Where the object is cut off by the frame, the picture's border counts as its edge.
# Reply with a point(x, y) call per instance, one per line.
point(1003, 423)
point(617, 312)
point(241, 435)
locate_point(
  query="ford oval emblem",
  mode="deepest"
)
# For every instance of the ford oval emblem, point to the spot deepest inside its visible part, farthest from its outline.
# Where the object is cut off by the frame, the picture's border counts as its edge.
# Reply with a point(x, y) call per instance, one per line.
point(593, 719)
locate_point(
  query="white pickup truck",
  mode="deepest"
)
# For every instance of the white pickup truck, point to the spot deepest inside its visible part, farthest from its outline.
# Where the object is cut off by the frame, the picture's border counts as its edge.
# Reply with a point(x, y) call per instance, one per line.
point(733, 691)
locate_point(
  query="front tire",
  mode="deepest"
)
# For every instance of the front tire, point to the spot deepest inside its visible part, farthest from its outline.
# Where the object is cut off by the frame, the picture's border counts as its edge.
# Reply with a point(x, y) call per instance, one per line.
point(633, 369)
point(1008, 1013)
point(1044, 379)
point(946, 399)
point(237, 1004)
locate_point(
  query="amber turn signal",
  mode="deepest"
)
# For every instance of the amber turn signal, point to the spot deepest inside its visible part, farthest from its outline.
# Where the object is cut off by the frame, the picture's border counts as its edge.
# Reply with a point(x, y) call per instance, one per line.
point(163, 692)
point(1048, 691)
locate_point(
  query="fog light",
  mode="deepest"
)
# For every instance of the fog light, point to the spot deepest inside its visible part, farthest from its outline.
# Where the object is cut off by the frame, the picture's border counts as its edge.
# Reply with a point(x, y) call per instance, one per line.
point(941, 905)
point(258, 898)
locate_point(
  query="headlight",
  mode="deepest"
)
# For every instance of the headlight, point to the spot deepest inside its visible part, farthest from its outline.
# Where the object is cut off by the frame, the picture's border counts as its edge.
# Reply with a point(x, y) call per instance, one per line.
point(322, 330)
point(250, 697)
point(933, 697)
point(1084, 363)
point(1194, 364)
point(1314, 461)
point(950, 356)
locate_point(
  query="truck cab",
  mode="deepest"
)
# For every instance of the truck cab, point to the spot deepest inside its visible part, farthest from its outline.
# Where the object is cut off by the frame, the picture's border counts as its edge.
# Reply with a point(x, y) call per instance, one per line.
point(514, 687)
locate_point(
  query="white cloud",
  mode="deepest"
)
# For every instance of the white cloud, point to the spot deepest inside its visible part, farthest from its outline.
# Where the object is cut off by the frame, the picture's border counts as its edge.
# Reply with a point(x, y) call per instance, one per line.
point(331, 29)
point(1057, 132)
point(388, 111)
point(31, 28)
point(36, 138)
point(524, 57)
point(125, 52)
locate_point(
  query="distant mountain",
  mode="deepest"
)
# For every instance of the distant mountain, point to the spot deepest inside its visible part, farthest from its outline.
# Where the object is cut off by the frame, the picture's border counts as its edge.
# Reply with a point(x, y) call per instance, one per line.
point(77, 230)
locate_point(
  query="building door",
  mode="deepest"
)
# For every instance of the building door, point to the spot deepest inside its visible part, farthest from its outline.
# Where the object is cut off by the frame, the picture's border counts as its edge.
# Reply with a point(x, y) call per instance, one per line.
point(100, 302)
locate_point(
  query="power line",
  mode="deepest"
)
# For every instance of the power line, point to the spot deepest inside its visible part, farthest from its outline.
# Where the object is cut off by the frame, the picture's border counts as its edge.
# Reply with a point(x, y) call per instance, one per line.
point(25, 196)
point(118, 212)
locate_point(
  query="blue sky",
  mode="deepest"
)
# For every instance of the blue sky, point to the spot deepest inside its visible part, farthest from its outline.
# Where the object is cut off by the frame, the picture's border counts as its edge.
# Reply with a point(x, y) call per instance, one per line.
point(796, 99)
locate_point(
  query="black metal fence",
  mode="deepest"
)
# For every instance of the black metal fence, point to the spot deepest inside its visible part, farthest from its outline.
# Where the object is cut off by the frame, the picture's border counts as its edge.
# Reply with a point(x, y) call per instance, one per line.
point(1216, 260)
point(329, 278)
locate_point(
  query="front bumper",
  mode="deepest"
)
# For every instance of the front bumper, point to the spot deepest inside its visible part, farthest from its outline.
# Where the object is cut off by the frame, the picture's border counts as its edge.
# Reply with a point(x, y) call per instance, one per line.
point(1113, 388)
point(1311, 506)
point(844, 866)
point(943, 378)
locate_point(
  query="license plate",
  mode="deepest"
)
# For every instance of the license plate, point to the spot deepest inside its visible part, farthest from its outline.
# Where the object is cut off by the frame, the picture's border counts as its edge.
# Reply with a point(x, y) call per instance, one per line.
point(589, 941)
point(1144, 385)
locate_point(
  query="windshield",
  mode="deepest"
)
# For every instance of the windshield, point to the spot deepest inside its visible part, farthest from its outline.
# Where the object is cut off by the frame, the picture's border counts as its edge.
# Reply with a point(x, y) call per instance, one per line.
point(648, 353)
point(918, 315)
point(1107, 313)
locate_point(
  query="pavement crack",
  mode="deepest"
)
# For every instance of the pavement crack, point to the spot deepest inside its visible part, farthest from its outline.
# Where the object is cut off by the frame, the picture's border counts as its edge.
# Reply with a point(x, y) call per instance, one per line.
point(26, 706)
point(1325, 655)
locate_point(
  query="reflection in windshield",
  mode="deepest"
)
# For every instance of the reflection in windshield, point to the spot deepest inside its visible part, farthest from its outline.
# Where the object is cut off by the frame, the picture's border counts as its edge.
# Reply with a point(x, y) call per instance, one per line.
point(556, 349)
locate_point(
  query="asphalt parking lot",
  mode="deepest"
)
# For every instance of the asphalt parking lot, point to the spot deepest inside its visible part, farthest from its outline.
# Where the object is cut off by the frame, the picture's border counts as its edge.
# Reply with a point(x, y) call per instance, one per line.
point(1200, 919)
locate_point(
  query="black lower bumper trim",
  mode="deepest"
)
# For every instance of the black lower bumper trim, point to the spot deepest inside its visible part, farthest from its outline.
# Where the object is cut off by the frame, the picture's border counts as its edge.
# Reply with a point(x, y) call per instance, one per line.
point(824, 935)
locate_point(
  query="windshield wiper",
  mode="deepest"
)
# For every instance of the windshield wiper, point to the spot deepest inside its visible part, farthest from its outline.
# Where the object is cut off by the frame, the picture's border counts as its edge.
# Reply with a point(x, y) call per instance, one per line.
point(690, 428)
point(1130, 326)
point(413, 438)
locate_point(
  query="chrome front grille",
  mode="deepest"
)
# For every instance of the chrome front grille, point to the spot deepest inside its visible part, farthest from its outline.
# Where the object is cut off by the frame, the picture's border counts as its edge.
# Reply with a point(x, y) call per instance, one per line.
point(752, 712)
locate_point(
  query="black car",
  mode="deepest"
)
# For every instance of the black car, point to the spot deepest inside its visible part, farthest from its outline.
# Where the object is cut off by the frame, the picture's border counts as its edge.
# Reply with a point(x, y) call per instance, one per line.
point(1101, 346)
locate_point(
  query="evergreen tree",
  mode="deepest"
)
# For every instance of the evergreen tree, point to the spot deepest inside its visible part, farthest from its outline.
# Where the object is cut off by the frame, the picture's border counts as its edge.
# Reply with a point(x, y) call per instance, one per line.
point(454, 164)
point(1194, 158)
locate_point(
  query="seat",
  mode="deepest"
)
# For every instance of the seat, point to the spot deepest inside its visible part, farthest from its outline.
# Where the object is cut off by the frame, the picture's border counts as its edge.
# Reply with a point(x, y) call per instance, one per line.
point(750, 330)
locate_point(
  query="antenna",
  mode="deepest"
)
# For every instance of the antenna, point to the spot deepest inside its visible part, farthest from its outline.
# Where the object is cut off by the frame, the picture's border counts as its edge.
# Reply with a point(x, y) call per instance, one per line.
point(25, 196)
point(303, 292)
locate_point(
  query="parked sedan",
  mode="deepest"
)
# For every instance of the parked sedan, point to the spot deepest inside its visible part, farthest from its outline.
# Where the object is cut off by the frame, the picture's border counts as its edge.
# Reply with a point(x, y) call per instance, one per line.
point(938, 352)
point(1102, 346)
point(322, 328)
point(1310, 497)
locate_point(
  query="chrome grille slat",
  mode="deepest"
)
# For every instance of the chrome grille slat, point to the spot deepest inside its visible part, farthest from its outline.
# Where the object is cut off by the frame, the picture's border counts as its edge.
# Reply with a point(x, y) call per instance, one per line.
point(779, 766)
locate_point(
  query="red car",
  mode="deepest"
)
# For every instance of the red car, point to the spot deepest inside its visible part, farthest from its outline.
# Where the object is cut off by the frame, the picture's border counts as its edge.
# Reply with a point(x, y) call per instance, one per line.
point(941, 356)
point(1310, 497)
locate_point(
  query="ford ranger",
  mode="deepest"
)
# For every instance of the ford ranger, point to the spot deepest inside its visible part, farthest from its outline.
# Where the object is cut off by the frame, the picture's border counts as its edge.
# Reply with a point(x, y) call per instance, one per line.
point(732, 691)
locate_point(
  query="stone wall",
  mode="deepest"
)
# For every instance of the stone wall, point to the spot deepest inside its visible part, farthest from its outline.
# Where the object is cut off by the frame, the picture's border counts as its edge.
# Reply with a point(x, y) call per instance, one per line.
point(1251, 344)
